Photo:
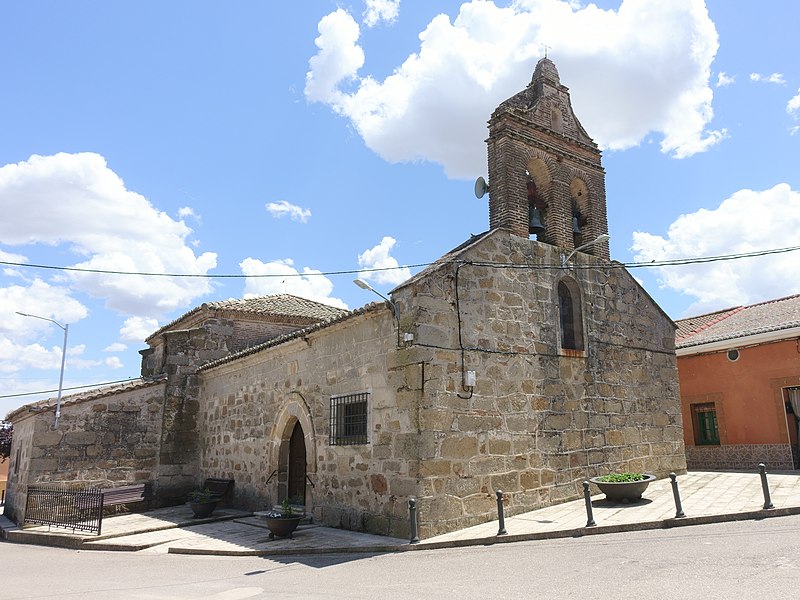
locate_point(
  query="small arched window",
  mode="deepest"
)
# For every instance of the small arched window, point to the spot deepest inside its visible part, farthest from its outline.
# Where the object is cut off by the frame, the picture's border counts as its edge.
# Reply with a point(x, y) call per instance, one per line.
point(570, 315)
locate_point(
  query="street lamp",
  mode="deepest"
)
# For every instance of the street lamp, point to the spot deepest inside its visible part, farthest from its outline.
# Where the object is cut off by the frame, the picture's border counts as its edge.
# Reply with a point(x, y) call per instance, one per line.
point(599, 239)
point(63, 361)
point(365, 286)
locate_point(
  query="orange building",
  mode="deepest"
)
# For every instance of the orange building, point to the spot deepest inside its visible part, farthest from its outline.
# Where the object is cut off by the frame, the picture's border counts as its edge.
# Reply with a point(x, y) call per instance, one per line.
point(739, 373)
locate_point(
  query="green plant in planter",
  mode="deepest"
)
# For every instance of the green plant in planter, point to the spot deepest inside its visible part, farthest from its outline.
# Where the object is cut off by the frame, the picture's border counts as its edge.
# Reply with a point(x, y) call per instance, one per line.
point(621, 477)
point(283, 522)
point(202, 496)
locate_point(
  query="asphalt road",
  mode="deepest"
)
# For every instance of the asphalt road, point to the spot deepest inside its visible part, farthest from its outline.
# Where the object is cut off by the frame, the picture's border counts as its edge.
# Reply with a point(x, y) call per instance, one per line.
point(749, 559)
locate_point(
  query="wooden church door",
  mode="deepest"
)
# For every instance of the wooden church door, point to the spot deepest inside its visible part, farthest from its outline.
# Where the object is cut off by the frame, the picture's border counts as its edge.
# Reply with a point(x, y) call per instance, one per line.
point(297, 466)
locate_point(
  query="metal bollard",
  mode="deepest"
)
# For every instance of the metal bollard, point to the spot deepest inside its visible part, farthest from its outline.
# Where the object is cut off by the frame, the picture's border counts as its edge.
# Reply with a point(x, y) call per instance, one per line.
point(501, 530)
point(412, 517)
point(762, 468)
point(588, 497)
point(677, 495)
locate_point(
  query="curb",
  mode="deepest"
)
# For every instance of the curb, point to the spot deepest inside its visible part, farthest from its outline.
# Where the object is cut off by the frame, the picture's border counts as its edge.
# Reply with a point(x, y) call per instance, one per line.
point(509, 538)
point(16, 535)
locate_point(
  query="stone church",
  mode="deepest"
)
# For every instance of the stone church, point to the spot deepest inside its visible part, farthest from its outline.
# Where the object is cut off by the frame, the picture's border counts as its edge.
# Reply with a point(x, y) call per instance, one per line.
point(524, 360)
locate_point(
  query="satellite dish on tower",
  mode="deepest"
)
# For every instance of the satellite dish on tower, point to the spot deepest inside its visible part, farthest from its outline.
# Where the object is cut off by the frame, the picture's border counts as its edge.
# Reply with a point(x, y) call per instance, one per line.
point(481, 187)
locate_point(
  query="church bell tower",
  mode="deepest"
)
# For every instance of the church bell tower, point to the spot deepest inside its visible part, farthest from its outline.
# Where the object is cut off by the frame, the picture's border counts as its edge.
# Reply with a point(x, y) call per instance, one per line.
point(545, 174)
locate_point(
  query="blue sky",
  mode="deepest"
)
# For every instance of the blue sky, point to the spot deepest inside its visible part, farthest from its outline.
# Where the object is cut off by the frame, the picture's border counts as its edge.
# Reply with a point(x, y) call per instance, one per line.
point(293, 139)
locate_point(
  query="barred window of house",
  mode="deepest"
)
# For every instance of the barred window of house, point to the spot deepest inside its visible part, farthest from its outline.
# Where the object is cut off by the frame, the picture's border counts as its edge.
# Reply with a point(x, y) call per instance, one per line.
point(704, 422)
point(349, 419)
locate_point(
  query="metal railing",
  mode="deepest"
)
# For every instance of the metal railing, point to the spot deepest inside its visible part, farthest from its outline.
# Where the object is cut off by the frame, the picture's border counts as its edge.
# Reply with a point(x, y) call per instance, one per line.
point(79, 510)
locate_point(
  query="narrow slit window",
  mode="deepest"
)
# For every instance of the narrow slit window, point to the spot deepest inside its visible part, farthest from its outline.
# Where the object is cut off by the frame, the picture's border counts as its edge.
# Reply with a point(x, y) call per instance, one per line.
point(570, 317)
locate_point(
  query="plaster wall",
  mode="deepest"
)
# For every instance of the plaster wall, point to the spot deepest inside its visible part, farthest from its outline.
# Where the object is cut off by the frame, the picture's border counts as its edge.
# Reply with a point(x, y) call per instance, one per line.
point(748, 396)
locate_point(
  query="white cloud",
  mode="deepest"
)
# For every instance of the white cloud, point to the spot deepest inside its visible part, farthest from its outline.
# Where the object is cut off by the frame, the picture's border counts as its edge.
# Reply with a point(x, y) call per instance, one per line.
point(774, 78)
point(283, 208)
point(137, 329)
point(723, 79)
point(188, 211)
point(41, 299)
point(378, 257)
point(381, 10)
point(338, 59)
point(115, 347)
point(286, 279)
point(45, 200)
point(793, 106)
point(747, 221)
point(113, 362)
point(644, 68)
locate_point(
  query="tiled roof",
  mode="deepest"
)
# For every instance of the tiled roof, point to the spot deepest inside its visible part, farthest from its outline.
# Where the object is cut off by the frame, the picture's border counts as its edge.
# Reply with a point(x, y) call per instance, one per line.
point(294, 335)
point(93, 394)
point(739, 322)
point(280, 305)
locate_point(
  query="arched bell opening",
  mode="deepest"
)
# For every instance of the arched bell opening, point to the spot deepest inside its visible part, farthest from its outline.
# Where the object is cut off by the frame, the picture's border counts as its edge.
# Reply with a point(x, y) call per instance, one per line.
point(537, 179)
point(579, 200)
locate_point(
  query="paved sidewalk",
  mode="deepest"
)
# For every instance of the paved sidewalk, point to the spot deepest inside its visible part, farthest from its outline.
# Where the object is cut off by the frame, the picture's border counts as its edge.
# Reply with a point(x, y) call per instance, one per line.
point(707, 497)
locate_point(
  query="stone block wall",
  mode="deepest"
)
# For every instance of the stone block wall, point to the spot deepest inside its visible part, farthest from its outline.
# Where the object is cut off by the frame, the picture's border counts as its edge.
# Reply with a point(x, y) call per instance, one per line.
point(541, 419)
point(106, 441)
point(250, 406)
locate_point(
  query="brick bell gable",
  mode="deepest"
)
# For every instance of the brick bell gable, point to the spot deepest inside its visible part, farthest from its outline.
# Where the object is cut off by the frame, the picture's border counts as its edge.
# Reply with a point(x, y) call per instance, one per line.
point(539, 153)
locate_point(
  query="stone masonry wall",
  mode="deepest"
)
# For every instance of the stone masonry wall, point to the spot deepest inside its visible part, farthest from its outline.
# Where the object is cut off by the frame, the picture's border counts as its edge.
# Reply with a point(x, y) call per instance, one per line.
point(107, 441)
point(185, 351)
point(250, 406)
point(541, 419)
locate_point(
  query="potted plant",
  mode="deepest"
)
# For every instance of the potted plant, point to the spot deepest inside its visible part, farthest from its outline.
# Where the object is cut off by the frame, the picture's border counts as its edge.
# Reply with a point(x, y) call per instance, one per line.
point(202, 503)
point(283, 522)
point(623, 487)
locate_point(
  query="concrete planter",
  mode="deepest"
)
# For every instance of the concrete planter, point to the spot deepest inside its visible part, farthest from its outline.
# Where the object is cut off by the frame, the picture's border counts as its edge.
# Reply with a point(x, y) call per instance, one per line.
point(625, 492)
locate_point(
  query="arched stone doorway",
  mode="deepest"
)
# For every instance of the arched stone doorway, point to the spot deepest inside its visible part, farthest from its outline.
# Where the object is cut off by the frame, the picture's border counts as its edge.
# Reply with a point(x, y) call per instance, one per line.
point(297, 455)
point(296, 482)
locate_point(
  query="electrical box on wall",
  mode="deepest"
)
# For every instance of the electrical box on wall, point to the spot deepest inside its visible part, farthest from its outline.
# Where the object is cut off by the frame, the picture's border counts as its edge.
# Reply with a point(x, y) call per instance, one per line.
point(469, 379)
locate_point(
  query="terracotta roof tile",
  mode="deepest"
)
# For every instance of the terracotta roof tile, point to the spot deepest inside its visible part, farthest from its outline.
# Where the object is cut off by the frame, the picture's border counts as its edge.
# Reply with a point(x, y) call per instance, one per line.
point(281, 305)
point(741, 321)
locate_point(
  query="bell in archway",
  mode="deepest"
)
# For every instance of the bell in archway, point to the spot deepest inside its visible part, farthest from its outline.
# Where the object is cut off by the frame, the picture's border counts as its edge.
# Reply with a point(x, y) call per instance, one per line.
point(576, 225)
point(535, 224)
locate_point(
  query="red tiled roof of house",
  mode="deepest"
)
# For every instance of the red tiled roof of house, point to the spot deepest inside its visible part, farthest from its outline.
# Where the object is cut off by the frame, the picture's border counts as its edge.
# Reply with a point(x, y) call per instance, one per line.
point(739, 322)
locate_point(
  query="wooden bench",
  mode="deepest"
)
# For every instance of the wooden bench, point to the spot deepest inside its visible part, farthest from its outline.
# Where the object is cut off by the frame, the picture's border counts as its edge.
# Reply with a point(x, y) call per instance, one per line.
point(219, 487)
point(129, 494)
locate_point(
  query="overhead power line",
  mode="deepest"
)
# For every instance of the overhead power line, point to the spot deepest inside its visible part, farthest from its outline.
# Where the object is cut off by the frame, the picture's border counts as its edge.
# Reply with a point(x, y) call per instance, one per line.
point(629, 265)
point(77, 387)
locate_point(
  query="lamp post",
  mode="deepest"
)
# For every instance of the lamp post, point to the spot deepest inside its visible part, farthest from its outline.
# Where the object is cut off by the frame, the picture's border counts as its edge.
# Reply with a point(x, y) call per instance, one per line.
point(599, 239)
point(63, 361)
point(365, 286)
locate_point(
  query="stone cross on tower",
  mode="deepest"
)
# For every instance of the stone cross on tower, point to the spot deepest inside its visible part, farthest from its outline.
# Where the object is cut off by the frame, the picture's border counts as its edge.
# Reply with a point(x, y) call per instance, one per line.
point(545, 172)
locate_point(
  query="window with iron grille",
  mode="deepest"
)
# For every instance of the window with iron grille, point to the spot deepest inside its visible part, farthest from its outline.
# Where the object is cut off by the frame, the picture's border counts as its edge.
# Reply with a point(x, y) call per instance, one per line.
point(349, 419)
point(704, 420)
